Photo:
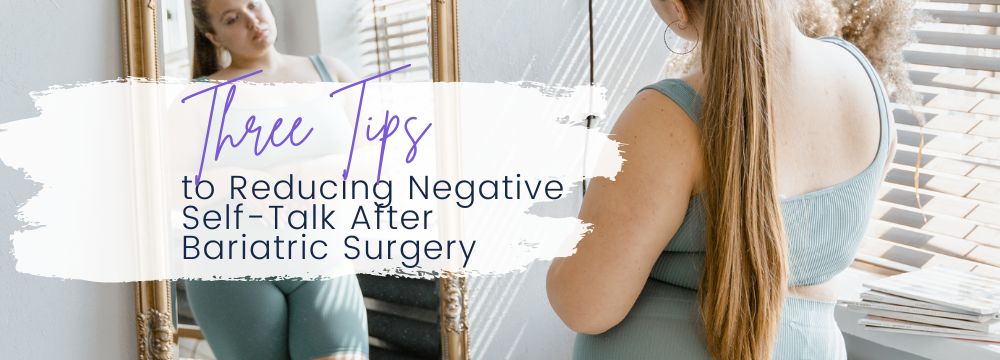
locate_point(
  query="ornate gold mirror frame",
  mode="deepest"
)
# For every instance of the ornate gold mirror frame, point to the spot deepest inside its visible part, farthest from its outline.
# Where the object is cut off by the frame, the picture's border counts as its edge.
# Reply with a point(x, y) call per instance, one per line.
point(155, 331)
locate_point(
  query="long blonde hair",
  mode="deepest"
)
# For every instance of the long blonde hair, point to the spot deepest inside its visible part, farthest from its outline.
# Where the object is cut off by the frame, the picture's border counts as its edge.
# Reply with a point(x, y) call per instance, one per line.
point(745, 277)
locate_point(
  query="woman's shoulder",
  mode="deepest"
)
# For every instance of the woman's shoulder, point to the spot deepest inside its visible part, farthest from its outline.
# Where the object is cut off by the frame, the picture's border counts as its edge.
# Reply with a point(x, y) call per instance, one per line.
point(662, 119)
point(681, 92)
point(690, 82)
point(660, 128)
point(666, 107)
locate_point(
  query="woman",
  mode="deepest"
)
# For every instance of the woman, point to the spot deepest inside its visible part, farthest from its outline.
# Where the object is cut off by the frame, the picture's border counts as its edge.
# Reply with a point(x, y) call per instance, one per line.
point(245, 30)
point(747, 185)
point(270, 319)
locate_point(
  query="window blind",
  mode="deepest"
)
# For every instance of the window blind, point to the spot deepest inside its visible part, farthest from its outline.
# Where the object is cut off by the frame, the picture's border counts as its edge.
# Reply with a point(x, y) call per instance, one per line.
point(394, 33)
point(946, 211)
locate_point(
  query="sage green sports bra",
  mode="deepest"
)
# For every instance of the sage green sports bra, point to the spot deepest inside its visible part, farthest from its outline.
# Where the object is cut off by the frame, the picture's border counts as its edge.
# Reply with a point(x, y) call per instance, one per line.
point(823, 228)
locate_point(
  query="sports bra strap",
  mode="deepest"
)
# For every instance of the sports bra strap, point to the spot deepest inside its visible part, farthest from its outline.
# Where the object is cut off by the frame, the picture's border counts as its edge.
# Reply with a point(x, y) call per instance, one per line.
point(321, 68)
point(880, 96)
point(681, 93)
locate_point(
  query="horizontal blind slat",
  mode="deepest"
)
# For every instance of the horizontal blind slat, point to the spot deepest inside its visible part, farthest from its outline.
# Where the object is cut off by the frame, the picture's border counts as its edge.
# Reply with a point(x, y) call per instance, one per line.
point(972, 83)
point(971, 62)
point(965, 17)
point(986, 41)
point(982, 2)
point(393, 33)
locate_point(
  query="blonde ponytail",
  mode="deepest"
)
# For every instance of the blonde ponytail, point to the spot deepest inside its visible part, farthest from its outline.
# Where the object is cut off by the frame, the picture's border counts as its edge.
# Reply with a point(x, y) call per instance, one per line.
point(745, 277)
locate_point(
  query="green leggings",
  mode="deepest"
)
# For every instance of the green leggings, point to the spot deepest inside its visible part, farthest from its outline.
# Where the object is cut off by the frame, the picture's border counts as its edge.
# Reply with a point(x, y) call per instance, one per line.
point(284, 319)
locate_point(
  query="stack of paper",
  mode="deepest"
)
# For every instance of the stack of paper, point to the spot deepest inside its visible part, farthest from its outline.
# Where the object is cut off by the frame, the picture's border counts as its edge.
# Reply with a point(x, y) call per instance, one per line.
point(934, 302)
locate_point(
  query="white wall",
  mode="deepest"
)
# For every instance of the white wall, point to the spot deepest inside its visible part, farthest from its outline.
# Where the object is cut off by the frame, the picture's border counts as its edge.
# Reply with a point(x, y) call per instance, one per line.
point(45, 43)
point(328, 27)
point(338, 32)
point(629, 51)
point(298, 27)
point(547, 42)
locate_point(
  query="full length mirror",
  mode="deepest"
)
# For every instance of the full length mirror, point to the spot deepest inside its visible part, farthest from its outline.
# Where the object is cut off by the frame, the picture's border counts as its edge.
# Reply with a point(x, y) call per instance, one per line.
point(347, 317)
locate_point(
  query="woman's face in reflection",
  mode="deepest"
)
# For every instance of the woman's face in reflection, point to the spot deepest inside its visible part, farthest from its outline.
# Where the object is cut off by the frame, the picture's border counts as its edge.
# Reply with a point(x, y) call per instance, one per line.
point(244, 27)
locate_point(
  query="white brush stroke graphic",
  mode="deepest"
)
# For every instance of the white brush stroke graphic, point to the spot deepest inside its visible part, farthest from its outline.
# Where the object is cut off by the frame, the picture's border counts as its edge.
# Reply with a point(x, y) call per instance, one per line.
point(111, 157)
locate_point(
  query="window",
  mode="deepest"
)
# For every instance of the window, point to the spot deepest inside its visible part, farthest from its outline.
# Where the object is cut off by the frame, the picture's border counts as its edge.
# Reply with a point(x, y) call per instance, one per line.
point(395, 33)
point(952, 218)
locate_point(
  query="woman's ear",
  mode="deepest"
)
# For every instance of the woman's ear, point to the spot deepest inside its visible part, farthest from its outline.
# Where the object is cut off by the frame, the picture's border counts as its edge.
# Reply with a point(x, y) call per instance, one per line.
point(211, 37)
point(680, 11)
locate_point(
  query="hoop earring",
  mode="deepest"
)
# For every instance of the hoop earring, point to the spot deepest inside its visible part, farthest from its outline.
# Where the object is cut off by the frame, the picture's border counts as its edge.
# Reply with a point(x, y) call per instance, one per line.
point(667, 44)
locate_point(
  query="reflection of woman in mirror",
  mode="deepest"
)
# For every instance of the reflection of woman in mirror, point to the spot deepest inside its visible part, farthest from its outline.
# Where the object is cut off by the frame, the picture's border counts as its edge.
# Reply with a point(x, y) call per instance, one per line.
point(284, 319)
point(747, 186)
point(246, 31)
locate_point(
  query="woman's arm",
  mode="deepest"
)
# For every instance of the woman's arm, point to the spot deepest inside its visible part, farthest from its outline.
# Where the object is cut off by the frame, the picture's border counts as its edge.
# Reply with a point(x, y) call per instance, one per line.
point(633, 217)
